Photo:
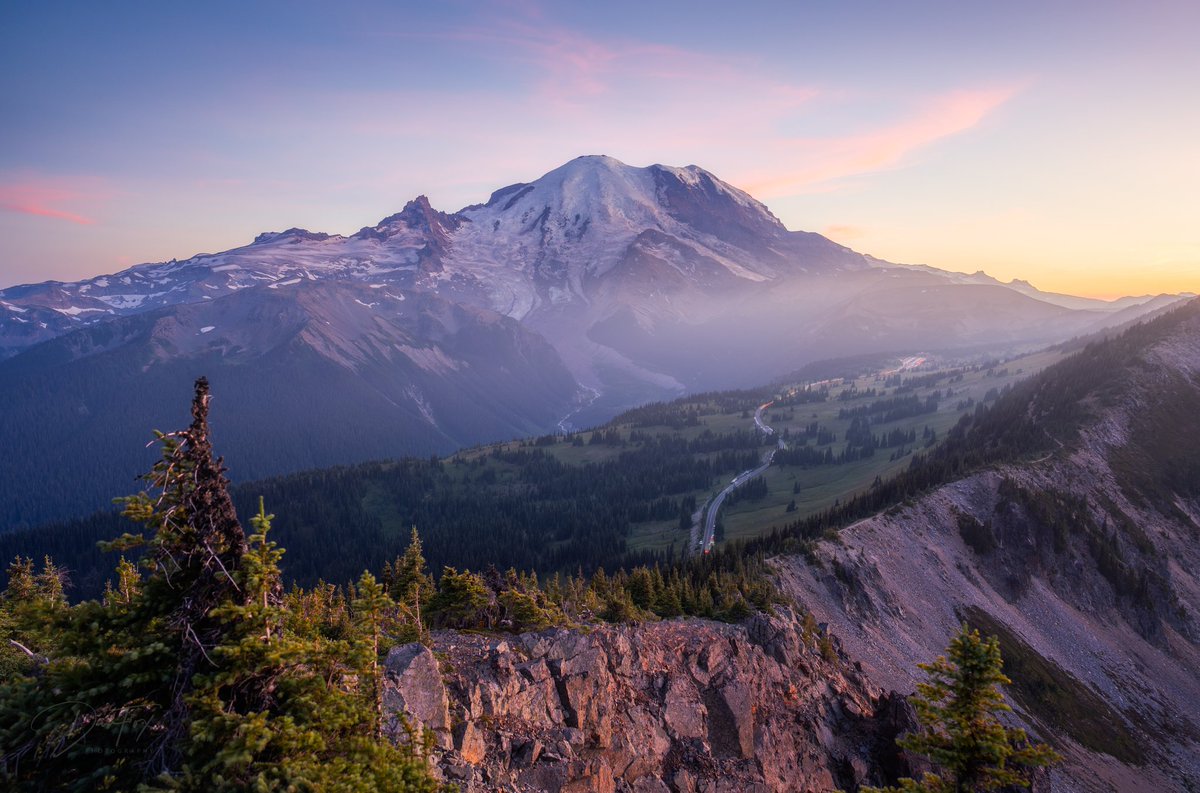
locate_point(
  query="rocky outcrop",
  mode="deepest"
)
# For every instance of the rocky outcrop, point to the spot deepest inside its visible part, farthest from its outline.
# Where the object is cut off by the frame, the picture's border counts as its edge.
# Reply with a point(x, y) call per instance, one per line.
point(684, 705)
point(417, 691)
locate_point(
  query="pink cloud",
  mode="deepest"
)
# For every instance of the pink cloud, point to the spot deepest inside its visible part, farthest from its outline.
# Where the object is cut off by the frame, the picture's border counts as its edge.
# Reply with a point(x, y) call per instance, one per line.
point(817, 162)
point(46, 198)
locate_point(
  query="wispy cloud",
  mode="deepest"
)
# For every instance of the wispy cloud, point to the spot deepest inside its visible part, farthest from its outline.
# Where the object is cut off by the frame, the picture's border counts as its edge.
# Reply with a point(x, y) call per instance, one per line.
point(812, 164)
point(49, 198)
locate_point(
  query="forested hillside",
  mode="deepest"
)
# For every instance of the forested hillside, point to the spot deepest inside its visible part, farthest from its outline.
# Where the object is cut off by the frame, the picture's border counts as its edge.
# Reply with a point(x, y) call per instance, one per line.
point(291, 393)
point(618, 496)
point(626, 494)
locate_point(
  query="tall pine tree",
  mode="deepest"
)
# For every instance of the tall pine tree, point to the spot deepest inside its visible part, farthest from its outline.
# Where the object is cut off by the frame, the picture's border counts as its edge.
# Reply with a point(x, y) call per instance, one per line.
point(188, 679)
point(408, 583)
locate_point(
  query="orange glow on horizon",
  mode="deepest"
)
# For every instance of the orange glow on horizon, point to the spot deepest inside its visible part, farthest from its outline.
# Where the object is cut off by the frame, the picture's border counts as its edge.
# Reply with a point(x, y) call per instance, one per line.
point(1065, 273)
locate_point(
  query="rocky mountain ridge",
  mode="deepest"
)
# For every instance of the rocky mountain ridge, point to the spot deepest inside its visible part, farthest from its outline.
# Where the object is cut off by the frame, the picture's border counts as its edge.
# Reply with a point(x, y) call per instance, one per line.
point(573, 223)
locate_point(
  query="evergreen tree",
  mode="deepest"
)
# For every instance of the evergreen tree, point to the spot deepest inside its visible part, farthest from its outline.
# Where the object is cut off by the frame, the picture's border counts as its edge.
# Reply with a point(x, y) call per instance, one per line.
point(408, 582)
point(619, 607)
point(22, 584)
point(51, 584)
point(194, 556)
point(372, 609)
point(24, 639)
point(522, 612)
point(958, 706)
point(129, 584)
point(463, 600)
point(111, 708)
point(27, 608)
point(189, 679)
point(270, 719)
point(641, 588)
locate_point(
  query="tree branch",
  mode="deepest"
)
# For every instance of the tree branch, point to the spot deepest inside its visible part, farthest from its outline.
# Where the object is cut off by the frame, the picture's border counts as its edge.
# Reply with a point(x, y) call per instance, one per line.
point(37, 658)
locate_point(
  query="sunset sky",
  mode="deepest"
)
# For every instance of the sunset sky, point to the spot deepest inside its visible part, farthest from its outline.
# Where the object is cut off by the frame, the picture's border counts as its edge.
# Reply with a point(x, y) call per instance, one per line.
point(1058, 142)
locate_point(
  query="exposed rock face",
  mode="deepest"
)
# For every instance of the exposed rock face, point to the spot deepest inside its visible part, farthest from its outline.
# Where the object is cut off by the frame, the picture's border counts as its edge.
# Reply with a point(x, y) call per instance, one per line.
point(685, 705)
point(418, 691)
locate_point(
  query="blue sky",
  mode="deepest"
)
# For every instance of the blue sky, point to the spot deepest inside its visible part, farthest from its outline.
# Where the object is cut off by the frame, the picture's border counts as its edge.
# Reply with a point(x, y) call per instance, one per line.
point(1051, 141)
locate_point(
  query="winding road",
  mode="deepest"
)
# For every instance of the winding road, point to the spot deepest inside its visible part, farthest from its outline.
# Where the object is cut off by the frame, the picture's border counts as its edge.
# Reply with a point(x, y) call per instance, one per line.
point(708, 538)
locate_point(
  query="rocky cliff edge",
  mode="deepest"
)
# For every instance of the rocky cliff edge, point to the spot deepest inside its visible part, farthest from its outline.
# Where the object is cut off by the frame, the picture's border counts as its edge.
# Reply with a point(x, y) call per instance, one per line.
point(682, 705)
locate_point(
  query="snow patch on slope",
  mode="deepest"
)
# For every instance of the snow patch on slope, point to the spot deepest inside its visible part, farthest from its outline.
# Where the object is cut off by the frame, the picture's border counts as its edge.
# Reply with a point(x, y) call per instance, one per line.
point(422, 404)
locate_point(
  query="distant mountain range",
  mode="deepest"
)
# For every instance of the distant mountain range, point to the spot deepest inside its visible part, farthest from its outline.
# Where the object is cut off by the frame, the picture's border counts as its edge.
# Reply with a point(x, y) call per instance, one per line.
point(560, 301)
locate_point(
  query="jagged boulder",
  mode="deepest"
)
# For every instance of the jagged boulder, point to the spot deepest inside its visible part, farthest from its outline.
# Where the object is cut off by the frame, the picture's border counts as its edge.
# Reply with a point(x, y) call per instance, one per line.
point(413, 687)
point(471, 742)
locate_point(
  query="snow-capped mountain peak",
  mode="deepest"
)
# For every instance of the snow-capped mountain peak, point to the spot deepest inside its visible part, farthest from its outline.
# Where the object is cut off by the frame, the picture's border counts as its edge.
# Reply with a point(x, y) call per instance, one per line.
point(600, 192)
point(585, 192)
point(587, 239)
point(575, 223)
point(546, 241)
